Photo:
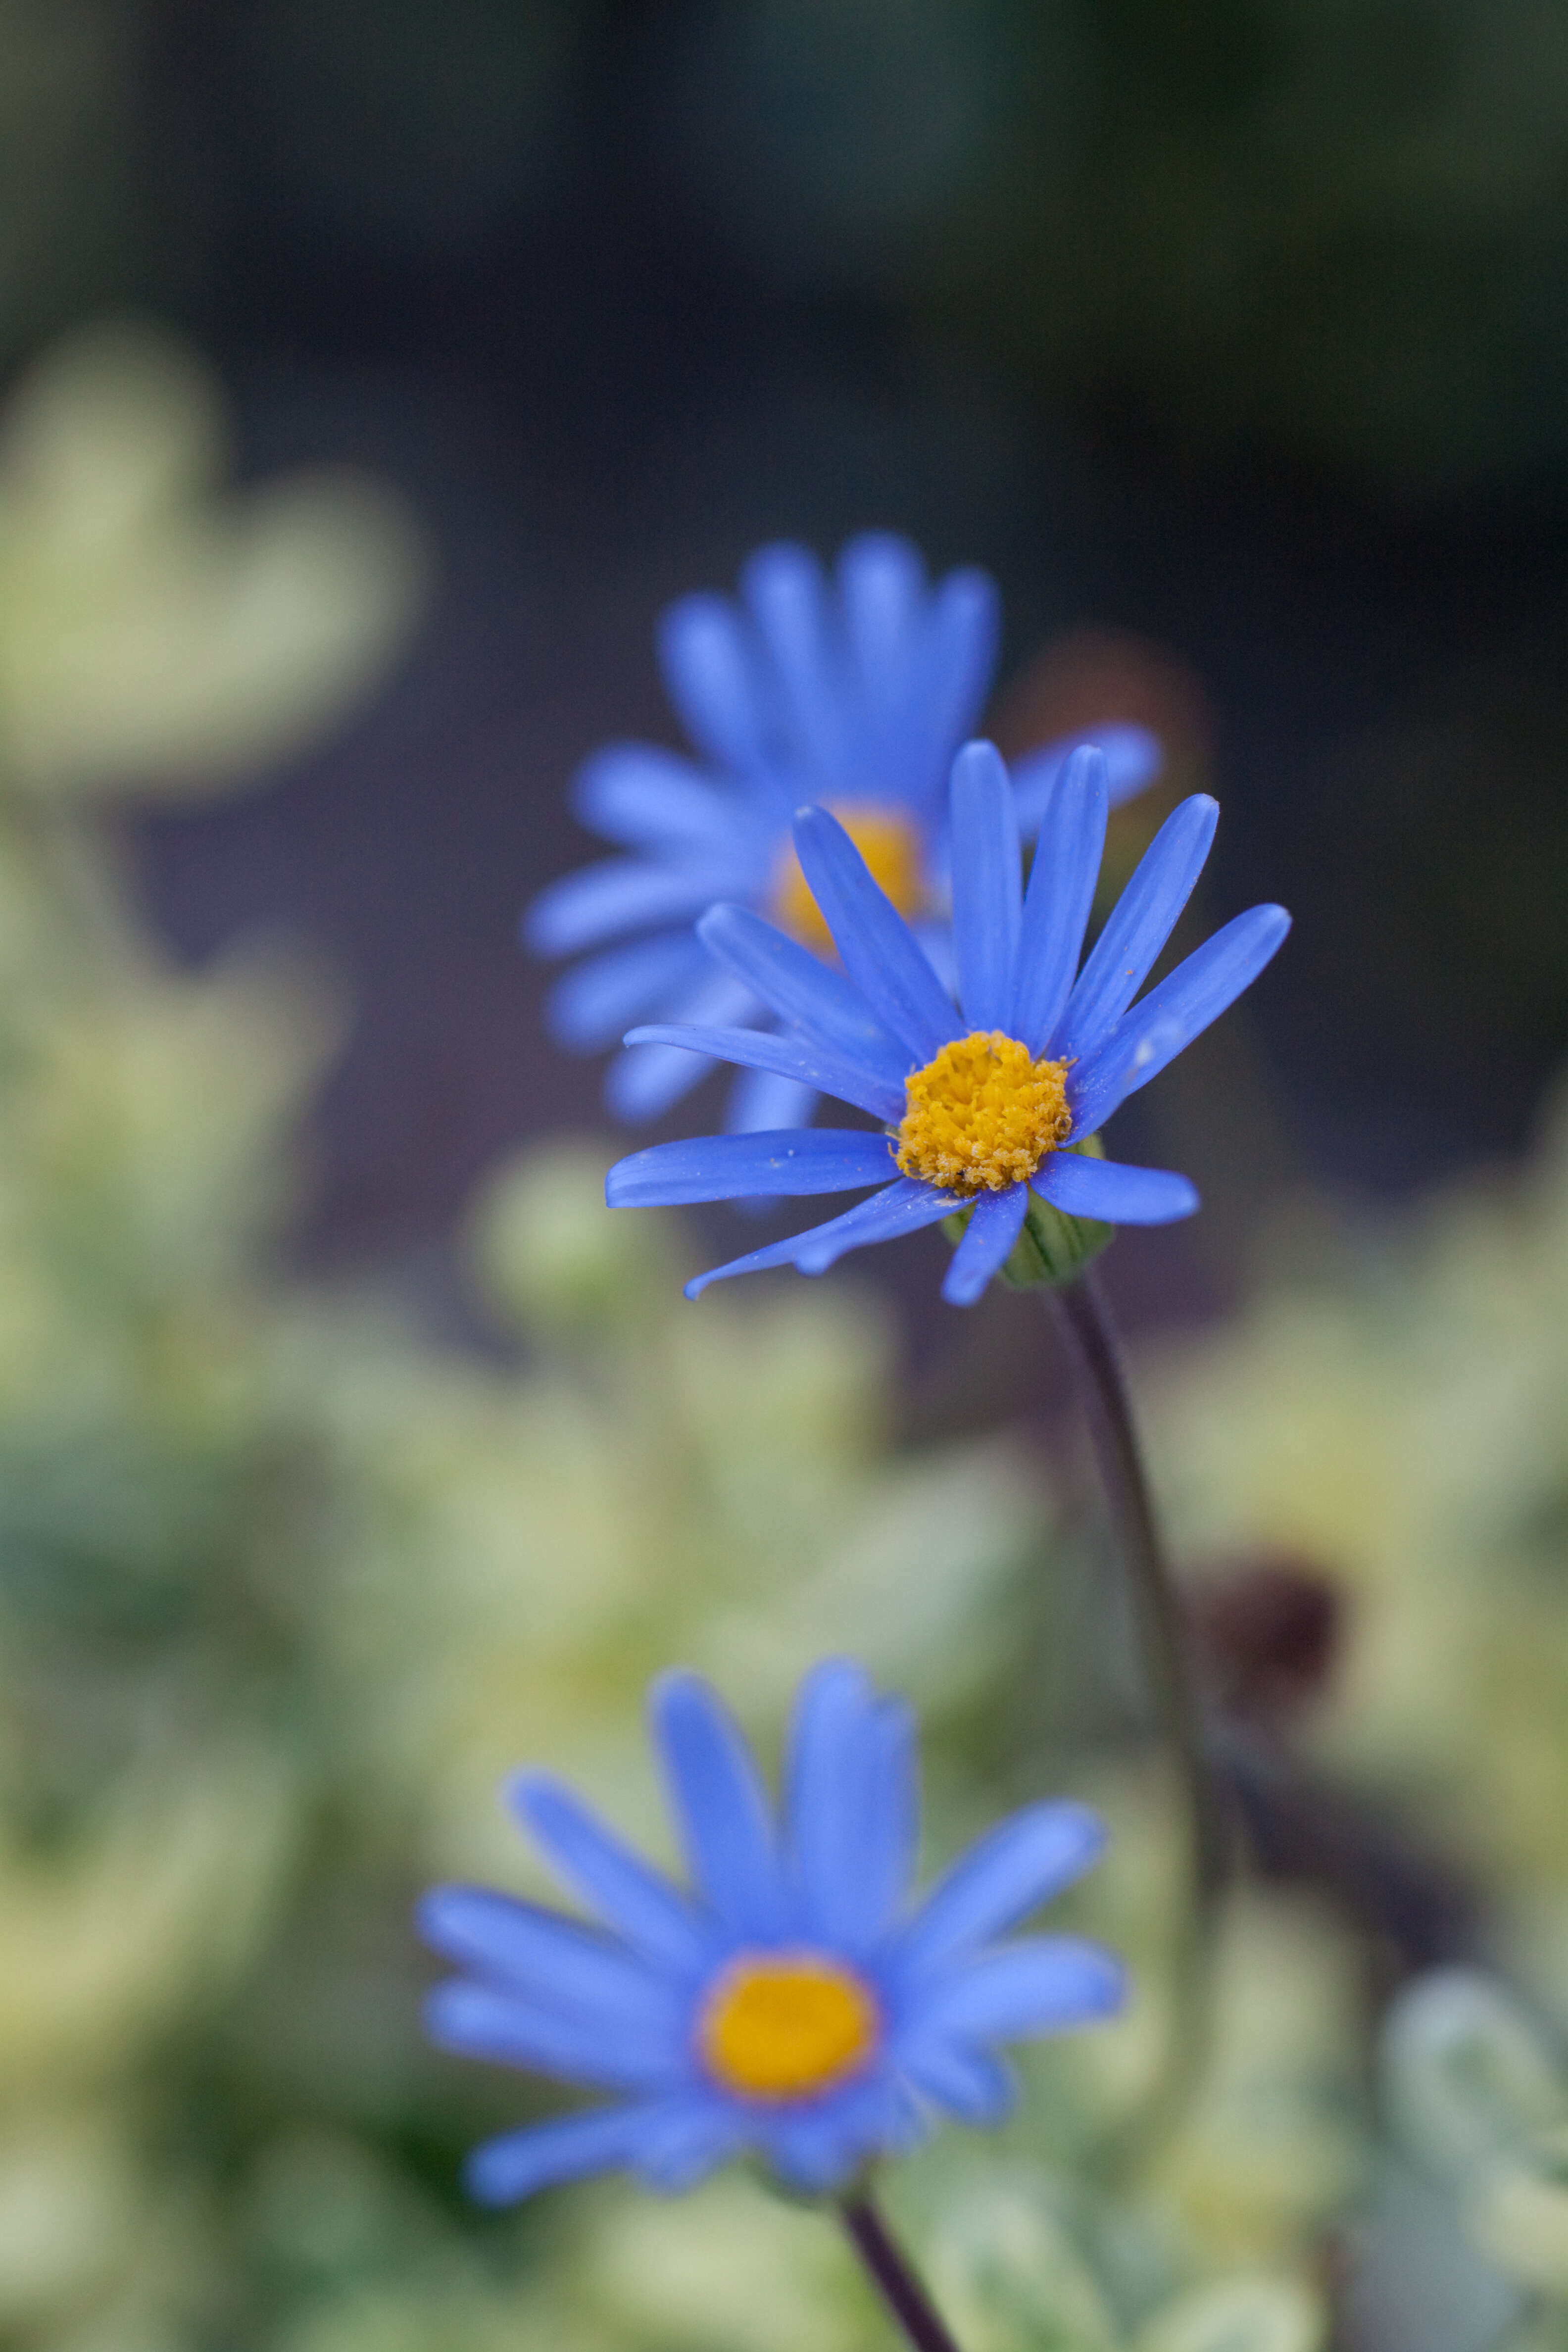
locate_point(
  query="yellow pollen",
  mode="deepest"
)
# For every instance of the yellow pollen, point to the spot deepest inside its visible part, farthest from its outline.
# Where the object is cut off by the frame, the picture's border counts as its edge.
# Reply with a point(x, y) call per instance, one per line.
point(982, 1116)
point(782, 2025)
point(891, 849)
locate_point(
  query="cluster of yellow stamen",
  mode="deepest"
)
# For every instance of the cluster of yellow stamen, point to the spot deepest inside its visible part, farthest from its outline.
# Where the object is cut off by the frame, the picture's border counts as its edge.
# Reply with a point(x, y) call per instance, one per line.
point(890, 846)
point(786, 2024)
point(983, 1115)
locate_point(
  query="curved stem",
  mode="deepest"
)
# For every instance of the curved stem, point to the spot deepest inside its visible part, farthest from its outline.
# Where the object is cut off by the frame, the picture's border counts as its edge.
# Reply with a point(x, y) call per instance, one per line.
point(1107, 1409)
point(895, 2280)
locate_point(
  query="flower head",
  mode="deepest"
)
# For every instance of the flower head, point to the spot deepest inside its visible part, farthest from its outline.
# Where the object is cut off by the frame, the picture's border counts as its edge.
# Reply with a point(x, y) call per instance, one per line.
point(793, 2004)
point(853, 693)
point(985, 1102)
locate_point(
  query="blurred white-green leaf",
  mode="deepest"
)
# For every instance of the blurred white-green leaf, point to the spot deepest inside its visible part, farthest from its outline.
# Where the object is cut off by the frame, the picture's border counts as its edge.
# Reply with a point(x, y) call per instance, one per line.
point(160, 633)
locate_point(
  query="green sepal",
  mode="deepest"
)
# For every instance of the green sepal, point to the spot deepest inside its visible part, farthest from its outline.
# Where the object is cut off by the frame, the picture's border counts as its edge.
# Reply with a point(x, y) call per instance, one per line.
point(1052, 1249)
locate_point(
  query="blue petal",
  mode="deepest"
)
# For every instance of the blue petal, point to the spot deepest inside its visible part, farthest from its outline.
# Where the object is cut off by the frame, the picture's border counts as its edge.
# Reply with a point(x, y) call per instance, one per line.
point(788, 1057)
point(1137, 926)
point(971, 2084)
point(1116, 1194)
point(685, 2141)
point(993, 1226)
point(622, 894)
point(765, 1260)
point(1058, 902)
point(720, 1807)
point(960, 656)
point(936, 946)
point(1183, 1005)
point(803, 991)
point(1035, 779)
point(785, 588)
point(818, 2148)
point(477, 2020)
point(849, 1783)
point(879, 952)
point(636, 1900)
point(643, 1082)
point(514, 2166)
point(641, 1085)
point(881, 585)
point(542, 1956)
point(652, 799)
point(1040, 1984)
point(762, 1098)
point(1103, 1080)
point(900, 1208)
point(794, 1160)
point(1004, 1877)
point(595, 1003)
point(711, 674)
point(986, 885)
point(1133, 758)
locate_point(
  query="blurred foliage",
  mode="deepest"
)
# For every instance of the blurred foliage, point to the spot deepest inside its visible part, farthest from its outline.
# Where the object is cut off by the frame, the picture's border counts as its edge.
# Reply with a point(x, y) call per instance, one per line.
point(1394, 1406)
point(286, 1585)
point(1471, 2244)
point(154, 634)
point(284, 1588)
point(1390, 1413)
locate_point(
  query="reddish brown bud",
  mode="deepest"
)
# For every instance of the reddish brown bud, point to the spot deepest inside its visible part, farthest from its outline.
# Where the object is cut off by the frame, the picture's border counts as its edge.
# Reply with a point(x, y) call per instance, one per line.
point(1268, 1631)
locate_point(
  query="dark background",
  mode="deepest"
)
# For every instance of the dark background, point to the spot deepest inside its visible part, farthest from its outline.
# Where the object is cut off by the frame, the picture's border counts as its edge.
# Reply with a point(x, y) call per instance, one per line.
point(1234, 329)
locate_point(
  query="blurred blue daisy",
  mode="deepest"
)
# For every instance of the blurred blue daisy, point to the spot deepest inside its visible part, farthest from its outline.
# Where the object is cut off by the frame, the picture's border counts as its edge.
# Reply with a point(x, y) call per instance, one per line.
point(793, 2004)
point(985, 1101)
point(853, 693)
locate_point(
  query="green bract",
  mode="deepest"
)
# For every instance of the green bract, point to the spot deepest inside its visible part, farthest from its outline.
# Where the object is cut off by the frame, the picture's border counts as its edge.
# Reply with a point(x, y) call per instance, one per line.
point(1052, 1247)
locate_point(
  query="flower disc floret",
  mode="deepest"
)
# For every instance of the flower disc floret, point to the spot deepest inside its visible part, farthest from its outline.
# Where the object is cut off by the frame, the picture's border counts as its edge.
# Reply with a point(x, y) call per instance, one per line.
point(983, 1113)
point(785, 2025)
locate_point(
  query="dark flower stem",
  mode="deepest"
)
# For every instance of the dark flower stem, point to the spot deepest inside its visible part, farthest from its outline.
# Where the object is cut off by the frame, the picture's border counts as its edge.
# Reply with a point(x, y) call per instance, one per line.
point(1106, 1410)
point(896, 2282)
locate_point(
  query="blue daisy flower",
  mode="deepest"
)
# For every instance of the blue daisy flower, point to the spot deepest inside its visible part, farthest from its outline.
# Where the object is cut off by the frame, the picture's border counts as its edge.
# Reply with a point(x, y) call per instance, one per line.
point(854, 693)
point(791, 2004)
point(987, 1100)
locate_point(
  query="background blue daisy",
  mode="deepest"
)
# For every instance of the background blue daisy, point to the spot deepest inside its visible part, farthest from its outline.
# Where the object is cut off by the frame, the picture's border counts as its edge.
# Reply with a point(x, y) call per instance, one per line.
point(791, 2004)
point(853, 692)
point(870, 1033)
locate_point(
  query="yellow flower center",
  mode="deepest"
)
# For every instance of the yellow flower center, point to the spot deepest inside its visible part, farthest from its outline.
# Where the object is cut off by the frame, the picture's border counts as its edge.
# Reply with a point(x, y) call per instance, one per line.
point(782, 2025)
point(982, 1116)
point(892, 848)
